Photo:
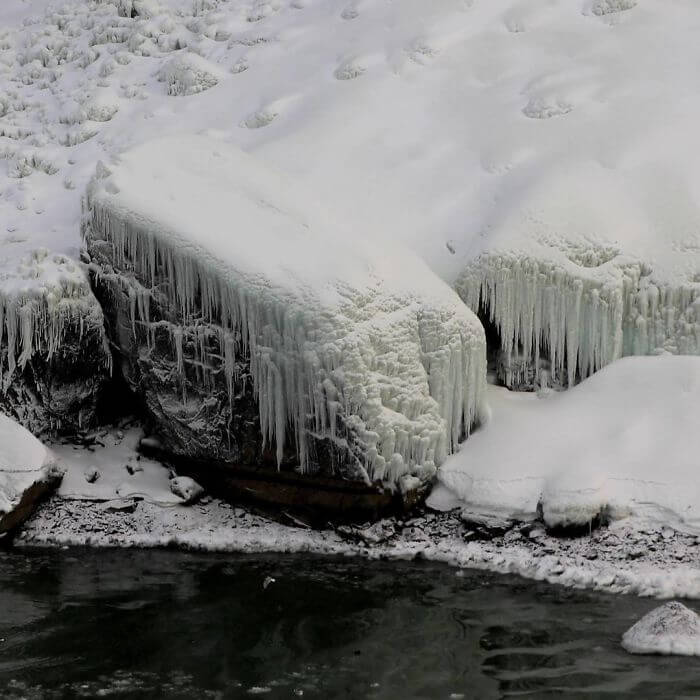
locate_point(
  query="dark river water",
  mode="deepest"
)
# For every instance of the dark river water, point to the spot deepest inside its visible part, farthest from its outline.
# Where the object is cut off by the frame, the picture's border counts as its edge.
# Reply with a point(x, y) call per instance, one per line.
point(151, 624)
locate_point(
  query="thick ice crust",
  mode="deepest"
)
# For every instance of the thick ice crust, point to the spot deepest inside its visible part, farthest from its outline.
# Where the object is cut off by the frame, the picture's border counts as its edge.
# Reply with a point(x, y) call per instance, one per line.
point(347, 338)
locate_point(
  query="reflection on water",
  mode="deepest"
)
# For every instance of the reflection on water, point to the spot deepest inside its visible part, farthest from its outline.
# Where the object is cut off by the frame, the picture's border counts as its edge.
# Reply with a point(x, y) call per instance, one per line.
point(151, 624)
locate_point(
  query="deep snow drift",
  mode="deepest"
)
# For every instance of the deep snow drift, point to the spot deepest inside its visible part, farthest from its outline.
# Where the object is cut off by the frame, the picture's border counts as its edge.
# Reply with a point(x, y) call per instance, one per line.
point(624, 441)
point(346, 336)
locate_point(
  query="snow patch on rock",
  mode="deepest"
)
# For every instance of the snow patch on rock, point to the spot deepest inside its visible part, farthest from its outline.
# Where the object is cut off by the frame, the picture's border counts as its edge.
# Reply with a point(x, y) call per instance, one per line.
point(670, 629)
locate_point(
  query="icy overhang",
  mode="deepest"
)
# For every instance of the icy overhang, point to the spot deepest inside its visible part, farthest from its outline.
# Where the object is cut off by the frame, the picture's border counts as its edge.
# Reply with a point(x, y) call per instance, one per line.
point(347, 337)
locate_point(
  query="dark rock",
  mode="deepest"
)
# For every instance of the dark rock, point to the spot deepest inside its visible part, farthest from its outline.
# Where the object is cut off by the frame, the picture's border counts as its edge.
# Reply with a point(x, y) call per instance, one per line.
point(58, 393)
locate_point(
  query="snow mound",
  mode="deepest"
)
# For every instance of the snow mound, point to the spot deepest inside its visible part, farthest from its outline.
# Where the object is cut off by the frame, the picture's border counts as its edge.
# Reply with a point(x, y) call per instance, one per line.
point(24, 461)
point(669, 629)
point(348, 338)
point(623, 441)
point(188, 74)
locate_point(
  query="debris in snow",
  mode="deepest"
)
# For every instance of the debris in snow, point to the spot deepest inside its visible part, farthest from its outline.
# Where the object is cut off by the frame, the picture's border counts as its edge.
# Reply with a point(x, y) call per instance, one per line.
point(670, 629)
point(187, 489)
point(92, 475)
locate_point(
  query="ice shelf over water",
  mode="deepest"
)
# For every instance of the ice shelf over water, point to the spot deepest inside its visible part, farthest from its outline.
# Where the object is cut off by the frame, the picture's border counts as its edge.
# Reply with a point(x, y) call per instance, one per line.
point(341, 330)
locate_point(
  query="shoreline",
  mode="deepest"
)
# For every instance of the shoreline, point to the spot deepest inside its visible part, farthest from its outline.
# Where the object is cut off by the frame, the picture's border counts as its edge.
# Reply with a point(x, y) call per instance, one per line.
point(630, 556)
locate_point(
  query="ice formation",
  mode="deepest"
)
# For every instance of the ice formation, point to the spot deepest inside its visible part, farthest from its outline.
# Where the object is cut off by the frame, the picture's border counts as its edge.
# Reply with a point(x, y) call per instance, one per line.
point(669, 629)
point(346, 337)
point(50, 326)
point(624, 441)
point(580, 314)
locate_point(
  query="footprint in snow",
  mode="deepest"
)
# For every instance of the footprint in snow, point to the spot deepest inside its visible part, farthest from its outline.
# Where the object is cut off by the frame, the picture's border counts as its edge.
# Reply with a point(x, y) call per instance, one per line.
point(541, 108)
point(349, 13)
point(259, 119)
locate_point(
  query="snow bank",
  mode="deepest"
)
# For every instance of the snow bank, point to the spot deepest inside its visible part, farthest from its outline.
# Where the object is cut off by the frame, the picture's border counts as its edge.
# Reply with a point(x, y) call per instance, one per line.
point(669, 629)
point(347, 337)
point(623, 441)
point(24, 461)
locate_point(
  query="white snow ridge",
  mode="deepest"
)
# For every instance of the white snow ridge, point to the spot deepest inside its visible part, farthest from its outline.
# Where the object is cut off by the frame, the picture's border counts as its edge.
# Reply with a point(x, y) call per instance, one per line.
point(346, 336)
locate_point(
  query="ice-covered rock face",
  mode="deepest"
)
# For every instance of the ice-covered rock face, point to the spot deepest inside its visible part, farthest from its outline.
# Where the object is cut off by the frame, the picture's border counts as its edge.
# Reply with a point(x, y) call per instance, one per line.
point(53, 355)
point(344, 338)
point(670, 629)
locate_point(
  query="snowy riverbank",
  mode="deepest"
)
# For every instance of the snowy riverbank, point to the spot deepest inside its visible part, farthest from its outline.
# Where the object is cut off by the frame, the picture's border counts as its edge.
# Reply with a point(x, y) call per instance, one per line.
point(631, 556)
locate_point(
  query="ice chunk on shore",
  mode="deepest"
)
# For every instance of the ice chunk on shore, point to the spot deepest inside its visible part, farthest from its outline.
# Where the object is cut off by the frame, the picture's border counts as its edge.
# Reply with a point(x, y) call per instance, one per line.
point(625, 440)
point(348, 337)
point(670, 629)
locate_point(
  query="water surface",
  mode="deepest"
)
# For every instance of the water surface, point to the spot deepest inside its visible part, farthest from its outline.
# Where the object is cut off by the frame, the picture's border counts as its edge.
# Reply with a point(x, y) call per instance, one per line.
point(83, 623)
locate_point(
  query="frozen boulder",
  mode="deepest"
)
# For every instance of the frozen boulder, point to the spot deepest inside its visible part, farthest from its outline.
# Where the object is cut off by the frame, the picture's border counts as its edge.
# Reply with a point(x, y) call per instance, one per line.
point(53, 355)
point(28, 473)
point(670, 629)
point(259, 332)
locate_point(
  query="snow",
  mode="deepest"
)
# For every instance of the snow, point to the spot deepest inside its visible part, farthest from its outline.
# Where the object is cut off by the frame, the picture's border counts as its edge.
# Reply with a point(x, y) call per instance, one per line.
point(123, 474)
point(24, 461)
point(339, 327)
point(537, 155)
point(622, 442)
point(670, 629)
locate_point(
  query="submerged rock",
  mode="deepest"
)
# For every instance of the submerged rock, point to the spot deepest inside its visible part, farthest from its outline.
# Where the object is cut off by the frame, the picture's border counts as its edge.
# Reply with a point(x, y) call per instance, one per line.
point(670, 629)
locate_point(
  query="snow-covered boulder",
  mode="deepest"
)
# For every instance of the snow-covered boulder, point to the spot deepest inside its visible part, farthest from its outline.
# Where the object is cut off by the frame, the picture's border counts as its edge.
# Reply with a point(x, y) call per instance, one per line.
point(624, 441)
point(28, 472)
point(53, 355)
point(249, 319)
point(669, 629)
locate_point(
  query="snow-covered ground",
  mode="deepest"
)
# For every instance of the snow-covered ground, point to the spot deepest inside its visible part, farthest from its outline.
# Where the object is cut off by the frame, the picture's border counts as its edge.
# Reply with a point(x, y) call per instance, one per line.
point(624, 441)
point(555, 138)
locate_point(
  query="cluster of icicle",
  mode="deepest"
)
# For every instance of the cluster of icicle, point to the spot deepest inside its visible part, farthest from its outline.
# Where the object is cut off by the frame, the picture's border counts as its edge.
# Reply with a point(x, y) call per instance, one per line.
point(53, 297)
point(580, 322)
point(401, 380)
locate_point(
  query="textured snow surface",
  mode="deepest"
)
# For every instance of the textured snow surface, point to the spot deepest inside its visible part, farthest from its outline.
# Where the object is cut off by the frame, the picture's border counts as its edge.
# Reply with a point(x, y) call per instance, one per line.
point(337, 326)
point(538, 154)
point(23, 461)
point(670, 629)
point(623, 441)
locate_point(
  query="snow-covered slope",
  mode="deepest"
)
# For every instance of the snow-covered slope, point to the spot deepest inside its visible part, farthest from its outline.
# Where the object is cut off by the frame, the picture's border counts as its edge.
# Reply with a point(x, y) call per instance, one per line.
point(625, 440)
point(348, 337)
point(538, 154)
